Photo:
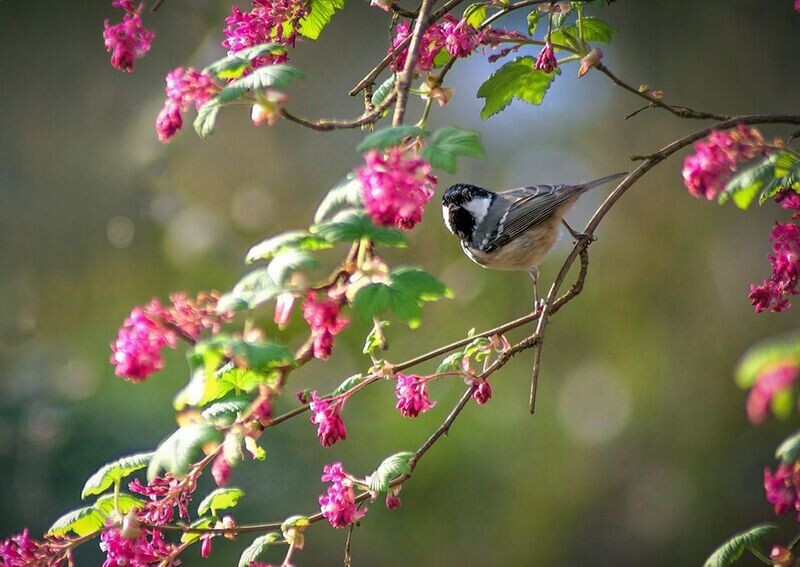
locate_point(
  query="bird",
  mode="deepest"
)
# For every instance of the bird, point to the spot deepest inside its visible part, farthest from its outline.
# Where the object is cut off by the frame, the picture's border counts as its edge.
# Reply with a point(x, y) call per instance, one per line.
point(514, 229)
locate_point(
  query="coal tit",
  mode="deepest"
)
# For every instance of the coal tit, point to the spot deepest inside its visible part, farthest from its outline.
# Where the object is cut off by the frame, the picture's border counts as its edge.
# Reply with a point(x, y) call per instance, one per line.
point(512, 230)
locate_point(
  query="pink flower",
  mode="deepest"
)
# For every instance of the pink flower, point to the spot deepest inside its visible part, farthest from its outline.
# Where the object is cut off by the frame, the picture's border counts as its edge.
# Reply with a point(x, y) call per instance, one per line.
point(433, 41)
point(21, 550)
point(769, 383)
point(338, 504)
point(166, 494)
point(482, 392)
point(267, 21)
point(546, 61)
point(395, 185)
point(797, 5)
point(149, 548)
point(392, 501)
point(128, 40)
point(774, 293)
point(325, 413)
point(782, 488)
point(269, 108)
point(412, 395)
point(790, 200)
point(221, 470)
point(205, 546)
point(137, 352)
point(324, 317)
point(460, 38)
point(168, 121)
point(589, 61)
point(715, 158)
point(283, 309)
point(183, 87)
point(781, 556)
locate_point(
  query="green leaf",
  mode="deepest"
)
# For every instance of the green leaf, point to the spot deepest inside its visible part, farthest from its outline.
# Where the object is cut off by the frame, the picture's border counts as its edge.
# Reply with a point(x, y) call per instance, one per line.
point(516, 79)
point(202, 523)
point(376, 340)
point(789, 451)
point(451, 363)
point(447, 143)
point(732, 549)
point(232, 447)
point(109, 473)
point(206, 120)
point(81, 522)
point(294, 239)
point(225, 412)
point(533, 20)
point(388, 470)
point(178, 452)
point(253, 290)
point(475, 14)
point(403, 293)
point(782, 403)
point(345, 194)
point(269, 76)
point(389, 137)
point(220, 499)
point(105, 504)
point(288, 261)
point(320, 14)
point(595, 30)
point(233, 66)
point(352, 225)
point(383, 91)
point(784, 349)
point(745, 185)
point(262, 356)
point(347, 384)
point(257, 550)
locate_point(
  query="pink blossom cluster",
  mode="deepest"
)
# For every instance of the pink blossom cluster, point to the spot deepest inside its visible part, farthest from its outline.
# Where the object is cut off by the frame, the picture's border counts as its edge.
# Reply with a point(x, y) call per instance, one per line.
point(128, 40)
point(338, 504)
point(267, 21)
point(412, 395)
point(783, 488)
point(327, 415)
point(482, 392)
point(546, 61)
point(775, 292)
point(221, 470)
point(183, 87)
point(165, 494)
point(21, 550)
point(457, 37)
point(395, 186)
point(769, 383)
point(148, 548)
point(716, 157)
point(324, 317)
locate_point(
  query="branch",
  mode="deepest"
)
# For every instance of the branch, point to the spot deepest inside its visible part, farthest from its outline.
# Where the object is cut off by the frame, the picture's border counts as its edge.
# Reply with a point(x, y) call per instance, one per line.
point(405, 77)
point(325, 125)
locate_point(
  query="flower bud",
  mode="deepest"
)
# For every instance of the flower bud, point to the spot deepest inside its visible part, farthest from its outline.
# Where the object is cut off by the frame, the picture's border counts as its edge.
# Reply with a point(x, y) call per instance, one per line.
point(781, 556)
point(205, 546)
point(131, 526)
point(590, 60)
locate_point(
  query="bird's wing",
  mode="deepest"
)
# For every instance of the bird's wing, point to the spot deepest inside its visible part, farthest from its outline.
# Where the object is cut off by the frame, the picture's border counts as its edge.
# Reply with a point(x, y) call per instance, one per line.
point(517, 210)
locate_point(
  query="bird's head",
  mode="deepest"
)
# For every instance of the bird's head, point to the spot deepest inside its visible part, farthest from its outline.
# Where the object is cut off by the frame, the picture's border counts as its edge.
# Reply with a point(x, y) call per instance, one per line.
point(464, 207)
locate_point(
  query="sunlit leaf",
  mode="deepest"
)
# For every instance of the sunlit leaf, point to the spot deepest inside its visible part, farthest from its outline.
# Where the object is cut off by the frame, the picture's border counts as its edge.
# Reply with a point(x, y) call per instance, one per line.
point(388, 470)
point(220, 499)
point(257, 551)
point(318, 17)
point(516, 79)
point(731, 550)
point(81, 522)
point(178, 452)
point(295, 239)
point(389, 137)
point(353, 225)
point(111, 472)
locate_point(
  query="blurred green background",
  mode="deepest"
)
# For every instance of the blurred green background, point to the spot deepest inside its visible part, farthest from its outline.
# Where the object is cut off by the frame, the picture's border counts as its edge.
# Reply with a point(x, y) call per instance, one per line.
point(639, 453)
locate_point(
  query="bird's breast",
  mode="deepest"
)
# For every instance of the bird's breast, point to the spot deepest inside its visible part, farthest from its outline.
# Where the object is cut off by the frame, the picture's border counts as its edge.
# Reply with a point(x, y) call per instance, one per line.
point(523, 253)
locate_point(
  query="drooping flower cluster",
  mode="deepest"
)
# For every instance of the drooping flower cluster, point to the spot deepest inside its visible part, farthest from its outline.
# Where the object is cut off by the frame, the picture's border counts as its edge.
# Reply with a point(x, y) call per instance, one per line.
point(783, 488)
point(183, 87)
point(326, 414)
point(166, 494)
point(395, 186)
point(715, 157)
point(148, 548)
point(128, 40)
point(268, 21)
point(775, 292)
point(412, 395)
point(324, 317)
point(457, 37)
point(338, 504)
point(546, 61)
point(770, 382)
point(495, 37)
point(482, 392)
point(21, 550)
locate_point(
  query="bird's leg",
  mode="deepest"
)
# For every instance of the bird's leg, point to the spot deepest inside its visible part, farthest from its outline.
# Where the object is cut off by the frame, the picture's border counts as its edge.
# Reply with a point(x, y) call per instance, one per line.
point(578, 235)
point(534, 272)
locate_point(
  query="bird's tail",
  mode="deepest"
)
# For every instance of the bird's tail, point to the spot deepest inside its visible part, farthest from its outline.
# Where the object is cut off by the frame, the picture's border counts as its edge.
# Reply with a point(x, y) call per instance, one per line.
point(601, 181)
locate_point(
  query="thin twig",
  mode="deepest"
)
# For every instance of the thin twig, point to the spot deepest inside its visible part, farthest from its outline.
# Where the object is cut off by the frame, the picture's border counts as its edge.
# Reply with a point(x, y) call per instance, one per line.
point(156, 5)
point(325, 125)
point(405, 77)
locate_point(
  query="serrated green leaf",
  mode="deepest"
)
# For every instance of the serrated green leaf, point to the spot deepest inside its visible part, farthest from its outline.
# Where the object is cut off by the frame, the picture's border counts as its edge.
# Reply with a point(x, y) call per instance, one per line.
point(106, 505)
point(745, 185)
point(516, 79)
point(178, 452)
point(784, 349)
point(261, 356)
point(111, 472)
point(226, 411)
point(318, 17)
point(376, 340)
point(288, 261)
point(253, 290)
point(202, 523)
point(533, 20)
point(345, 194)
point(257, 550)
point(294, 239)
point(347, 384)
point(595, 30)
point(81, 522)
point(448, 143)
point(388, 470)
point(789, 451)
point(206, 121)
point(232, 66)
point(732, 549)
point(353, 225)
point(771, 189)
point(383, 91)
point(475, 14)
point(220, 499)
point(389, 137)
point(451, 363)
point(269, 76)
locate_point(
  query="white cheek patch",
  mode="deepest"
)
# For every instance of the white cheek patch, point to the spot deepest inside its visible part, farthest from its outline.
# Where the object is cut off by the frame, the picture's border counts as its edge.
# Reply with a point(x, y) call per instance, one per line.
point(446, 216)
point(478, 208)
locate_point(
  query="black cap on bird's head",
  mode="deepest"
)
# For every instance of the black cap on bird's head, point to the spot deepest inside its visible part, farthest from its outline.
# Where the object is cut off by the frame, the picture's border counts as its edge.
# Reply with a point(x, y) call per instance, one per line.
point(462, 193)
point(461, 203)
